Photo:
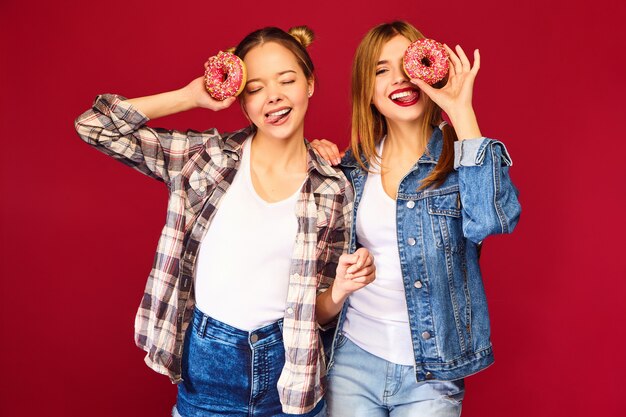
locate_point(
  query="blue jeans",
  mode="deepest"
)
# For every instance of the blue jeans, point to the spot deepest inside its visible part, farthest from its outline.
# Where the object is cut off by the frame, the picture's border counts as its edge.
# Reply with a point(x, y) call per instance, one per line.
point(232, 372)
point(364, 385)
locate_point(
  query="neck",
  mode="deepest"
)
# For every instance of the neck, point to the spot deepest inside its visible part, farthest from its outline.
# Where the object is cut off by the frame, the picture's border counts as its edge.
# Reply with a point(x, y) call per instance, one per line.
point(279, 154)
point(407, 137)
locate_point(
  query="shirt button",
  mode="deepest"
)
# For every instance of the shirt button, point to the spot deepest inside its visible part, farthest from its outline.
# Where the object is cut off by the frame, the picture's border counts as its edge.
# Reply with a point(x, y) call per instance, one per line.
point(426, 335)
point(296, 276)
point(410, 204)
point(289, 310)
point(411, 241)
point(202, 189)
point(418, 284)
point(254, 338)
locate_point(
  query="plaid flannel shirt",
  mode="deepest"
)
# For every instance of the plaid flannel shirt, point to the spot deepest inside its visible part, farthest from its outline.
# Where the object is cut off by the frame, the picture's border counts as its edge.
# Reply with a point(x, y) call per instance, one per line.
point(198, 168)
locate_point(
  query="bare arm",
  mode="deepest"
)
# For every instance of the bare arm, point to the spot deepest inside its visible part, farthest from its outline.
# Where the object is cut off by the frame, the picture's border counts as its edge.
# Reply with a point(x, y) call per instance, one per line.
point(189, 97)
point(354, 272)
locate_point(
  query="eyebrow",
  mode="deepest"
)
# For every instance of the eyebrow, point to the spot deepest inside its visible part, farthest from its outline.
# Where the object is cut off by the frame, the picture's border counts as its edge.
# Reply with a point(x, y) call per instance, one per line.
point(279, 74)
point(384, 61)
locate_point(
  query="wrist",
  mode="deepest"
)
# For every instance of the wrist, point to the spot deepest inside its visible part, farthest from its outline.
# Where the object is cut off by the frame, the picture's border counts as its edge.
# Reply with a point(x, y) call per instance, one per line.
point(337, 295)
point(187, 98)
point(465, 124)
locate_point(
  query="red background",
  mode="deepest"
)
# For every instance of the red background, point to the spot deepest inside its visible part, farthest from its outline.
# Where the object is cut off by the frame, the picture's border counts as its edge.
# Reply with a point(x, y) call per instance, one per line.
point(78, 230)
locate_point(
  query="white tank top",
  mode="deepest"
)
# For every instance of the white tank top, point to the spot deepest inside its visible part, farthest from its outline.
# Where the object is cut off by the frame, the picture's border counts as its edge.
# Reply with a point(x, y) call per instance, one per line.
point(242, 271)
point(377, 319)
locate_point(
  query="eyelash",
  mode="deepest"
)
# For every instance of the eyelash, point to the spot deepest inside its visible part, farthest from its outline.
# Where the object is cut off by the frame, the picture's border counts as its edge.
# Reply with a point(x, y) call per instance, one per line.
point(380, 71)
point(282, 82)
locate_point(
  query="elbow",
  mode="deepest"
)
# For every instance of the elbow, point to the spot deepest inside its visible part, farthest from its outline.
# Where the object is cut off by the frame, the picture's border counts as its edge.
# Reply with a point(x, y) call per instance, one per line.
point(82, 127)
point(503, 221)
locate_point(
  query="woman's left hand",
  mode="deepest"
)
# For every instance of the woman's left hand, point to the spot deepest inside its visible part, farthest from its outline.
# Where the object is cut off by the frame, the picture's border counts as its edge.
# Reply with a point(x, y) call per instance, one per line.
point(455, 98)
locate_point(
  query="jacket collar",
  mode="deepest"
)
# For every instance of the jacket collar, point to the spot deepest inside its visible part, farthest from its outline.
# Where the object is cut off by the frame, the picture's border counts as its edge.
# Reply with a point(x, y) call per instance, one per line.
point(431, 156)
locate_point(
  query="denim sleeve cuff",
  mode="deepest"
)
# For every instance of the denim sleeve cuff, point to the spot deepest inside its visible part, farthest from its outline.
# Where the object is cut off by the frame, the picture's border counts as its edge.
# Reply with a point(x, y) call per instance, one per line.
point(471, 152)
point(466, 152)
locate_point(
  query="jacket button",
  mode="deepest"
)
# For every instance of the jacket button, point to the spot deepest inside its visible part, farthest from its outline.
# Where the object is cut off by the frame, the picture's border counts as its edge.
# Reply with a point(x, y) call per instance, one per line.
point(429, 375)
point(426, 335)
point(411, 241)
point(418, 284)
point(410, 204)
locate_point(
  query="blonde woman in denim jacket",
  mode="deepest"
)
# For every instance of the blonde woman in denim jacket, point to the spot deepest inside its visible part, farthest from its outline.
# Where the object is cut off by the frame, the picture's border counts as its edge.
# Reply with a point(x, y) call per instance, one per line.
point(426, 195)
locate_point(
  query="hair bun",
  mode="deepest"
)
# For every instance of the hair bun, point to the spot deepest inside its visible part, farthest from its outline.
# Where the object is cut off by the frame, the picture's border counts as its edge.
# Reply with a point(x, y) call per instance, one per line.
point(303, 34)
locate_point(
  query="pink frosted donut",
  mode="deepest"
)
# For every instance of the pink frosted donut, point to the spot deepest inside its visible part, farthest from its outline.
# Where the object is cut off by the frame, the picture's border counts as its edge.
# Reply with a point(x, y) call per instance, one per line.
point(427, 60)
point(225, 75)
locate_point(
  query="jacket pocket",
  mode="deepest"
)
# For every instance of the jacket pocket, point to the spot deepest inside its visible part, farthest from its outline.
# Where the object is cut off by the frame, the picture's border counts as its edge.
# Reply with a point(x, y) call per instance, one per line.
point(444, 210)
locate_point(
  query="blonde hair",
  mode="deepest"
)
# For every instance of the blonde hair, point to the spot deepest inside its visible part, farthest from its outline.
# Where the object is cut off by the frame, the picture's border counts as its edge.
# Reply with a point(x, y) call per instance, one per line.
point(369, 125)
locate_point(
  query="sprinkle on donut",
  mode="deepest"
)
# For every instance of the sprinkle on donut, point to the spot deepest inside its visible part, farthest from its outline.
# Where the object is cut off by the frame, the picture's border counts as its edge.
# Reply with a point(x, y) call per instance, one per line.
point(225, 75)
point(427, 60)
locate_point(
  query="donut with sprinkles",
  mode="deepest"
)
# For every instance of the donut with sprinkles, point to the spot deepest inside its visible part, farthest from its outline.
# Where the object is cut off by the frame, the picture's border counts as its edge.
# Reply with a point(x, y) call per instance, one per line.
point(427, 60)
point(225, 75)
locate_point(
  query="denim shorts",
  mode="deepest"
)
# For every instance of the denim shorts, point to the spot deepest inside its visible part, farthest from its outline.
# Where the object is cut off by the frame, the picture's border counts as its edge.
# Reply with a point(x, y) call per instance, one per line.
point(364, 385)
point(232, 372)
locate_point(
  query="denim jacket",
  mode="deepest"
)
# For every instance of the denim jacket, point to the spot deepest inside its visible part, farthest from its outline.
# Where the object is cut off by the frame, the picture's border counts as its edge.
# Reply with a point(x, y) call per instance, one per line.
point(438, 232)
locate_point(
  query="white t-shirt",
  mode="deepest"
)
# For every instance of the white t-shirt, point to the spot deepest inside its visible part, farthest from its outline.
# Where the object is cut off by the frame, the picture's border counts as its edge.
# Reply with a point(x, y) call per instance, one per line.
point(377, 319)
point(242, 271)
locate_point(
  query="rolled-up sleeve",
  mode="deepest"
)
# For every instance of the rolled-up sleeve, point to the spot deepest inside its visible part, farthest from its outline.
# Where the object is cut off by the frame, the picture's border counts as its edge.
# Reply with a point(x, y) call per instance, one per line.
point(489, 198)
point(116, 128)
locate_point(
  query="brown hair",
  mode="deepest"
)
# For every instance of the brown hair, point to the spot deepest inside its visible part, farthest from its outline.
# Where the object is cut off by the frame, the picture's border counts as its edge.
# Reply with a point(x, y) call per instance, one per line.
point(296, 41)
point(369, 125)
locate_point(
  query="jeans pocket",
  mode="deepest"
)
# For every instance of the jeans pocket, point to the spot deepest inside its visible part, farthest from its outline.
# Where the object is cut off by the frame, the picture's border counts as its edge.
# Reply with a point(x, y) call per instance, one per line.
point(212, 371)
point(454, 391)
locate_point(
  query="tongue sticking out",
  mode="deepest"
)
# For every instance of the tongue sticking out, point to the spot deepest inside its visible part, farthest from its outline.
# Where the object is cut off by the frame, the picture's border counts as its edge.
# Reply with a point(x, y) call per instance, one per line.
point(275, 117)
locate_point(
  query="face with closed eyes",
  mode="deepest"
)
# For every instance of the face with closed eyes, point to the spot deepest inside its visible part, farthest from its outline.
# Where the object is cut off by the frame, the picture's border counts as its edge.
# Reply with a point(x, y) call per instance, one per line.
point(395, 96)
point(276, 95)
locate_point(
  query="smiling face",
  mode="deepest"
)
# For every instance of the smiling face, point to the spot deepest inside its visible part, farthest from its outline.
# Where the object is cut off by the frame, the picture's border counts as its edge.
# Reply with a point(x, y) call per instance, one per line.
point(276, 95)
point(395, 96)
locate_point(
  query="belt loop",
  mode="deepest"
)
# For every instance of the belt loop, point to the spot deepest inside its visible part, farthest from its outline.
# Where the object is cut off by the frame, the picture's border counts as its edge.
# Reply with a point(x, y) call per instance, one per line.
point(280, 325)
point(203, 325)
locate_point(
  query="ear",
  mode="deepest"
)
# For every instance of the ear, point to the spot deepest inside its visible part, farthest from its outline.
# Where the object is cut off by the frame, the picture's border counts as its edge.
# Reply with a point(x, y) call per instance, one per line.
point(310, 87)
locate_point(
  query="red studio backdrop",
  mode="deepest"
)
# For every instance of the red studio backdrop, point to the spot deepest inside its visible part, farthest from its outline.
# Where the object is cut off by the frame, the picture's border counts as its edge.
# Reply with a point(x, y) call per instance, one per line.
point(78, 230)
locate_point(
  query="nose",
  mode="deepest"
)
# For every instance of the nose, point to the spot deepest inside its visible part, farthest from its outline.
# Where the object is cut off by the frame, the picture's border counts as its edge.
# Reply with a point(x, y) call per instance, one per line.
point(399, 77)
point(273, 94)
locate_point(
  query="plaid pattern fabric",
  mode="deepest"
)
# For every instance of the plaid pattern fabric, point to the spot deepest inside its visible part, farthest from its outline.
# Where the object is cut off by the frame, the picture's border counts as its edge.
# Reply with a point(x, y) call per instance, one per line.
point(198, 168)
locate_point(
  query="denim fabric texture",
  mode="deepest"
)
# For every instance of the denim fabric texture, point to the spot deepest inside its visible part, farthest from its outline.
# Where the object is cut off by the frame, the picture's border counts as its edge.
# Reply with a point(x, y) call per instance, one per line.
point(438, 232)
point(364, 385)
point(232, 372)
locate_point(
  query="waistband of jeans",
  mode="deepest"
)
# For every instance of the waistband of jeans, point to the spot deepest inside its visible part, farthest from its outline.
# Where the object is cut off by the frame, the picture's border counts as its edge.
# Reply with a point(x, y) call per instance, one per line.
point(207, 326)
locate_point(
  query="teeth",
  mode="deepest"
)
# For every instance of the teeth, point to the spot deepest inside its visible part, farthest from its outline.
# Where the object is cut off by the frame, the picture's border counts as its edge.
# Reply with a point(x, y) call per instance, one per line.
point(279, 113)
point(400, 95)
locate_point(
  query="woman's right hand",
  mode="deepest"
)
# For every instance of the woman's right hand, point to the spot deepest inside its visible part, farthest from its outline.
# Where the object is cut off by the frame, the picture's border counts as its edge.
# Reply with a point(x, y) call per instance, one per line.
point(197, 93)
point(327, 150)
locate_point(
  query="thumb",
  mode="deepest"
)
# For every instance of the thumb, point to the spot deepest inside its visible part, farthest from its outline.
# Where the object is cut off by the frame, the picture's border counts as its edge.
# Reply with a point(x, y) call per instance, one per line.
point(346, 260)
point(424, 86)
